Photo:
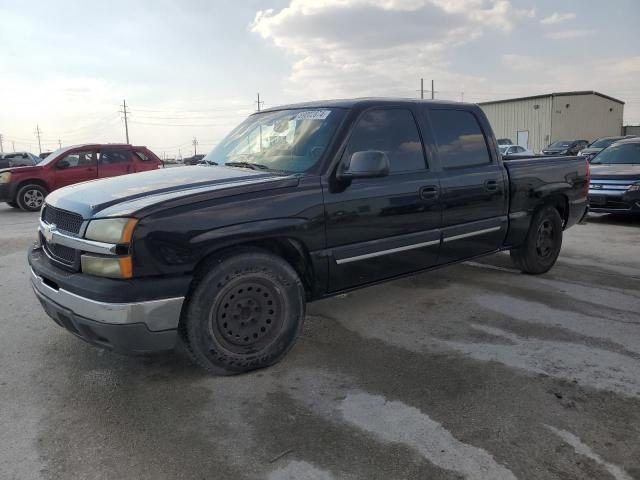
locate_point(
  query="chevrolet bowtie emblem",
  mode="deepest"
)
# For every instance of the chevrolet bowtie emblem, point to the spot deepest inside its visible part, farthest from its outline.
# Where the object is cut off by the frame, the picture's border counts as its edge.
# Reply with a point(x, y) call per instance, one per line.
point(48, 232)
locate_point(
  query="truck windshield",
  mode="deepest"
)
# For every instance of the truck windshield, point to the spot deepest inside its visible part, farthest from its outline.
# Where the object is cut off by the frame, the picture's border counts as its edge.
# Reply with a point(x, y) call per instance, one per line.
point(289, 141)
point(625, 153)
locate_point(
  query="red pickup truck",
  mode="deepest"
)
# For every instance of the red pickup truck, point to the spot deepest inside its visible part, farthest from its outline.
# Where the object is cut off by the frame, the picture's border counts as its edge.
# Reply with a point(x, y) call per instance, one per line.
point(27, 187)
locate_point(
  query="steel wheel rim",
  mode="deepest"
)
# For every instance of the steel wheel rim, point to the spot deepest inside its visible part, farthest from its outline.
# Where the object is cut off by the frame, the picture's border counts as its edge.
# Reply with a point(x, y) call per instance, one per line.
point(545, 239)
point(247, 316)
point(33, 198)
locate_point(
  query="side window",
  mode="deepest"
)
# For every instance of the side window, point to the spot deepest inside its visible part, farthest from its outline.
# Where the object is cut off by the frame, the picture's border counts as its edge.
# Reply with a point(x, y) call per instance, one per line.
point(392, 131)
point(114, 156)
point(460, 140)
point(80, 159)
point(142, 156)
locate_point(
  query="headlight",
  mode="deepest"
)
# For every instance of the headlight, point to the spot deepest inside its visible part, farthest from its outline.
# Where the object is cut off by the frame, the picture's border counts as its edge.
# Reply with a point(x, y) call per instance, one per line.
point(103, 266)
point(634, 188)
point(111, 230)
point(5, 177)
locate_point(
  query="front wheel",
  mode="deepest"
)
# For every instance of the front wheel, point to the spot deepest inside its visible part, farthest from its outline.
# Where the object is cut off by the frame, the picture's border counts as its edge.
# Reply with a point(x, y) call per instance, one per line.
point(31, 197)
point(541, 247)
point(245, 312)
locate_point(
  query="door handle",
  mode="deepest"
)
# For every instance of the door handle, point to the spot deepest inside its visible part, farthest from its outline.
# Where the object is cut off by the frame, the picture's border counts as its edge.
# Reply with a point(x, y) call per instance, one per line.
point(429, 192)
point(491, 185)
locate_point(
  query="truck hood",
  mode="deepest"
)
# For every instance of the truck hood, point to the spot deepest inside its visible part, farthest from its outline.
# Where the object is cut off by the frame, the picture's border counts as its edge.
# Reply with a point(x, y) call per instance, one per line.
point(141, 193)
point(612, 172)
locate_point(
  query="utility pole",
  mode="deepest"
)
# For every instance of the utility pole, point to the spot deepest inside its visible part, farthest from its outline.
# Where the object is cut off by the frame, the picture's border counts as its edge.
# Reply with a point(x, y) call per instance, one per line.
point(13, 145)
point(180, 154)
point(195, 146)
point(1, 148)
point(59, 143)
point(432, 91)
point(38, 133)
point(126, 124)
point(422, 88)
point(259, 102)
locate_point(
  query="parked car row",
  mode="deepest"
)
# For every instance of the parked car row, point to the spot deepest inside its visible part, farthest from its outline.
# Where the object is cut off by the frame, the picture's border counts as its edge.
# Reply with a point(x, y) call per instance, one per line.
point(25, 185)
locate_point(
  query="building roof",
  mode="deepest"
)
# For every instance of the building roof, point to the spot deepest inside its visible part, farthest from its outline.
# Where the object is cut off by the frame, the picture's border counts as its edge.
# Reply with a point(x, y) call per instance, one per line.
point(556, 94)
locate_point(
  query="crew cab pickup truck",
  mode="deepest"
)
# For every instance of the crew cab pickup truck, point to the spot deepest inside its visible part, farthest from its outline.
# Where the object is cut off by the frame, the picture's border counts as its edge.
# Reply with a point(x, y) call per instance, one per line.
point(27, 186)
point(615, 179)
point(303, 202)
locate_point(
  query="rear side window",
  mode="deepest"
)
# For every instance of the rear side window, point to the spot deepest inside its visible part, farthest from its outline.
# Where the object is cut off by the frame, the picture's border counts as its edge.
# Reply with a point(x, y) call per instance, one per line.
point(114, 156)
point(460, 140)
point(142, 156)
point(392, 131)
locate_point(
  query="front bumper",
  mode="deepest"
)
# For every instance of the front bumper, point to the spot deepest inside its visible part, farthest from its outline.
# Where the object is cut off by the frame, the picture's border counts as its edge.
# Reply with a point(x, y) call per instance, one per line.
point(602, 202)
point(121, 321)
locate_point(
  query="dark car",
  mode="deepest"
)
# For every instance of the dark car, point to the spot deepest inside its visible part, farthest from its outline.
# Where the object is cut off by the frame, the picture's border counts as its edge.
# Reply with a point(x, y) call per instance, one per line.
point(193, 160)
point(504, 141)
point(615, 178)
point(307, 201)
point(19, 159)
point(594, 148)
point(565, 147)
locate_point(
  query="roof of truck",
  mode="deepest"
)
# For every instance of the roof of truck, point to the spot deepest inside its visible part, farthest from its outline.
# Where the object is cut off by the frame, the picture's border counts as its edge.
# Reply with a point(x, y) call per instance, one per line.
point(353, 102)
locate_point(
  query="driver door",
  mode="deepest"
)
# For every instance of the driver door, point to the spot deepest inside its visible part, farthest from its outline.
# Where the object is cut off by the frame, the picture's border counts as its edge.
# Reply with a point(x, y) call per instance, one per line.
point(378, 228)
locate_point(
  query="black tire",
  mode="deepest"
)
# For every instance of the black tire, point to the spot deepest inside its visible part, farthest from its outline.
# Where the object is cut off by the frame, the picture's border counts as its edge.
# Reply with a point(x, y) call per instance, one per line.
point(31, 197)
point(245, 312)
point(13, 204)
point(542, 245)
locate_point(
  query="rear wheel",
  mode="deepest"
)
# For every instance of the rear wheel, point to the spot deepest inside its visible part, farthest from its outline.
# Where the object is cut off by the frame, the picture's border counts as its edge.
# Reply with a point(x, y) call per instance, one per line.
point(245, 312)
point(542, 245)
point(31, 197)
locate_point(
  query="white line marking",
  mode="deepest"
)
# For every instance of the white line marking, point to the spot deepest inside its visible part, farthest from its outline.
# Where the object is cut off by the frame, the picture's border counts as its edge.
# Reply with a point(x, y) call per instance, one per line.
point(297, 470)
point(584, 449)
point(401, 423)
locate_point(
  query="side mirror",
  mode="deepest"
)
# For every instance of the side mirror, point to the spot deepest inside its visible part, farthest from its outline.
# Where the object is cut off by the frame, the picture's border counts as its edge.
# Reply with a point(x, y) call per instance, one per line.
point(366, 164)
point(63, 164)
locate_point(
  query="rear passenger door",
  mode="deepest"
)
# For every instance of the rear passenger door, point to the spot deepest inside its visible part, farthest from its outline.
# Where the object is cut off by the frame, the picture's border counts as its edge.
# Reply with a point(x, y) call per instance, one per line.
point(114, 161)
point(473, 186)
point(382, 227)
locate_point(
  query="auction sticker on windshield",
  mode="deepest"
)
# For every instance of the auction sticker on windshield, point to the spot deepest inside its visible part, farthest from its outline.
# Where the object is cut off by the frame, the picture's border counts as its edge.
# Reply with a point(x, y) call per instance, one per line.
point(313, 115)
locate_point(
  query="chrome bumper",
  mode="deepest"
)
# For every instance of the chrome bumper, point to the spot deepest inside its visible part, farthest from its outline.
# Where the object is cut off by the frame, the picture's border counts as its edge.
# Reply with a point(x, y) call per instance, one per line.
point(157, 315)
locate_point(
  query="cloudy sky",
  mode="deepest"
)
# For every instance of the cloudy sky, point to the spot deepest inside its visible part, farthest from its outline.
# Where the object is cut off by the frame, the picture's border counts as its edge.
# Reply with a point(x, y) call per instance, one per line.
point(192, 68)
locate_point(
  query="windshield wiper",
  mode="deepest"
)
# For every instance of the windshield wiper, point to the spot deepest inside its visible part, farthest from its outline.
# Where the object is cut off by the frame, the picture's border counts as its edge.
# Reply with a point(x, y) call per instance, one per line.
point(251, 165)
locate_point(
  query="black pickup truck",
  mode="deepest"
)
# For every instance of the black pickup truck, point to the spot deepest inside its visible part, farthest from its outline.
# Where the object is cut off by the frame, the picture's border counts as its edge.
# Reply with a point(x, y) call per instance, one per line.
point(299, 203)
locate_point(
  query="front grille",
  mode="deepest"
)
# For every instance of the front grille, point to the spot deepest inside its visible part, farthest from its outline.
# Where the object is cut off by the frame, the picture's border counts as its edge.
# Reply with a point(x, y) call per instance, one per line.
point(62, 253)
point(65, 221)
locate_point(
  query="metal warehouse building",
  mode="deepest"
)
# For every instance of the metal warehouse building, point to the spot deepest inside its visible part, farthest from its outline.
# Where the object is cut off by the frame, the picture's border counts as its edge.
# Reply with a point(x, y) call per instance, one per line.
point(535, 122)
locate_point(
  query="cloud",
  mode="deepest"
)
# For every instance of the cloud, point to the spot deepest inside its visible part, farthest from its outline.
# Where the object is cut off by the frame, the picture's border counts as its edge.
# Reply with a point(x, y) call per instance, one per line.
point(568, 34)
point(374, 47)
point(522, 63)
point(556, 18)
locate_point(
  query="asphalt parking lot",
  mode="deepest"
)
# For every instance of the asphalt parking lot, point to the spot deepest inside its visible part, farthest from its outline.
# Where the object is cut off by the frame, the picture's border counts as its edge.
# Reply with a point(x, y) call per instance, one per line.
point(474, 371)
